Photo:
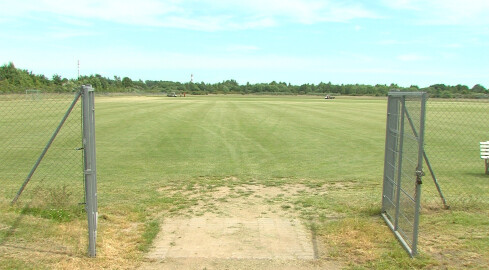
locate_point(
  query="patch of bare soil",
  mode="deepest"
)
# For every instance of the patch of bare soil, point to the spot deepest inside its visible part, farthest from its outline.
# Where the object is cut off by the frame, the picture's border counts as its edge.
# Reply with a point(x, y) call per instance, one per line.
point(242, 227)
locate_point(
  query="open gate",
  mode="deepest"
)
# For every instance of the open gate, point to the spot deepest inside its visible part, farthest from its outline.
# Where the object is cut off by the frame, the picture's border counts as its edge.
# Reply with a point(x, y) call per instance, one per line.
point(403, 165)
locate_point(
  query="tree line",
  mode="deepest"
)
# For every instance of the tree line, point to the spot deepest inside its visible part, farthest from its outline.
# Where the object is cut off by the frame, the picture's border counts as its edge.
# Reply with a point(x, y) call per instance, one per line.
point(14, 80)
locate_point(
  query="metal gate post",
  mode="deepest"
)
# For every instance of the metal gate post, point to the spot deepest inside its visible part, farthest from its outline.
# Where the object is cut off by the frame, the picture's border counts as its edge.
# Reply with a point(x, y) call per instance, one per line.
point(90, 171)
point(419, 175)
point(399, 164)
point(392, 131)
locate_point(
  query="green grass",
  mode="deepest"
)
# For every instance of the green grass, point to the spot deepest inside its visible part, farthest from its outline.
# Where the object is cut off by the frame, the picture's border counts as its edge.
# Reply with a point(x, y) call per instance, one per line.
point(151, 230)
point(249, 138)
point(152, 152)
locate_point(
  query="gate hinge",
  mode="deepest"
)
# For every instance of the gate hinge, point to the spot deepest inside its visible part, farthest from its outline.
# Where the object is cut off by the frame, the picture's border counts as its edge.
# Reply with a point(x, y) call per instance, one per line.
point(419, 174)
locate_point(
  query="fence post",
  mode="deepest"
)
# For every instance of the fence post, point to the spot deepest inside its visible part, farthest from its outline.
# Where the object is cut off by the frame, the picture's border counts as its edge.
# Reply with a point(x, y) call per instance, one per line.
point(90, 171)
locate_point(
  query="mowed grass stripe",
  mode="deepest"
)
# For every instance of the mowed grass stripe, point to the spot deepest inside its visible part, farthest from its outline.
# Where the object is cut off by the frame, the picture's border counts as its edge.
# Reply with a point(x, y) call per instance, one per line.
point(334, 134)
point(144, 132)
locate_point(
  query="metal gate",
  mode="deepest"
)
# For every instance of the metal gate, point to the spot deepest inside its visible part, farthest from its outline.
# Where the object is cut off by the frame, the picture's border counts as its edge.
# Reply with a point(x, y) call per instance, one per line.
point(403, 165)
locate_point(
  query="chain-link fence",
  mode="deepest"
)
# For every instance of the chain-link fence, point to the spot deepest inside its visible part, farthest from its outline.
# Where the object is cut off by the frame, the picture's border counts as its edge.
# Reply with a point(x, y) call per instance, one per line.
point(454, 129)
point(28, 123)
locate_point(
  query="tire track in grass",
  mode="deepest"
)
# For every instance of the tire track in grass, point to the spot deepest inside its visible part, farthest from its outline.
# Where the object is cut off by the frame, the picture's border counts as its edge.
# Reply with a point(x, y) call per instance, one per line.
point(323, 135)
point(228, 125)
point(222, 125)
point(257, 126)
point(137, 136)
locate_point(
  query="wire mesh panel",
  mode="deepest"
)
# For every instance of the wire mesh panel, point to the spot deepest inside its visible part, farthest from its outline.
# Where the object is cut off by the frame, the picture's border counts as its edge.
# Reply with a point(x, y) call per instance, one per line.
point(27, 123)
point(403, 166)
point(454, 130)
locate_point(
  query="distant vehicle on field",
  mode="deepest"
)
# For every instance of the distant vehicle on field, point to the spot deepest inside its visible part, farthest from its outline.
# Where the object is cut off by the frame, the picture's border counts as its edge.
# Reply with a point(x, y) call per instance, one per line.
point(329, 97)
point(171, 95)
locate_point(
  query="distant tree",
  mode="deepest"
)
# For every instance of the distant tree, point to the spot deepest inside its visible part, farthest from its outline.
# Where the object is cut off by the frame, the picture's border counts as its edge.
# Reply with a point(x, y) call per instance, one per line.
point(439, 87)
point(57, 80)
point(13, 80)
point(479, 88)
point(193, 87)
point(5, 87)
point(139, 84)
point(305, 88)
point(446, 94)
point(126, 82)
point(461, 89)
point(382, 89)
point(324, 88)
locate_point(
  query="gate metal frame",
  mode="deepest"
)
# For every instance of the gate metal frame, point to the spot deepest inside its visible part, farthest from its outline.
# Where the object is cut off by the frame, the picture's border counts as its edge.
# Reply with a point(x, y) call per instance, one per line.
point(394, 177)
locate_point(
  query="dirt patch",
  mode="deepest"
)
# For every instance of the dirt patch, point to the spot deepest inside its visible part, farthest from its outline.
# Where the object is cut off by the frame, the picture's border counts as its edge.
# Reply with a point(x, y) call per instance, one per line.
point(233, 238)
point(238, 227)
point(238, 264)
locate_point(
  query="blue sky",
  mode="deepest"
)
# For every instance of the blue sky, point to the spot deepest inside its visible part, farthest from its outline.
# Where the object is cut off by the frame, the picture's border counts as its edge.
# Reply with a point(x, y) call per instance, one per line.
point(419, 42)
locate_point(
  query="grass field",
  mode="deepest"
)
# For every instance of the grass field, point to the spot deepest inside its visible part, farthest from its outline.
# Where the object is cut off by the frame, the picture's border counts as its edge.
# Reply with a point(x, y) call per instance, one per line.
point(159, 157)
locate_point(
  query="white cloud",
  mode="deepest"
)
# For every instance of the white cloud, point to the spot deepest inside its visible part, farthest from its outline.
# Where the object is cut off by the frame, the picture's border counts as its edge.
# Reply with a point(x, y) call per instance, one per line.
point(445, 12)
point(141, 12)
point(403, 4)
point(144, 12)
point(308, 11)
point(391, 42)
point(202, 23)
point(210, 15)
point(242, 48)
point(454, 45)
point(66, 33)
point(411, 57)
